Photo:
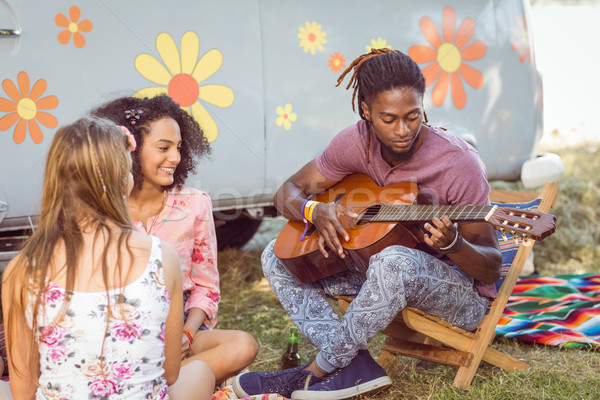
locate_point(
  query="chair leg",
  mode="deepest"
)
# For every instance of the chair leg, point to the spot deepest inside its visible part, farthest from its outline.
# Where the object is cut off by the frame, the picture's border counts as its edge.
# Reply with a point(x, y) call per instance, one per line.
point(502, 360)
point(386, 357)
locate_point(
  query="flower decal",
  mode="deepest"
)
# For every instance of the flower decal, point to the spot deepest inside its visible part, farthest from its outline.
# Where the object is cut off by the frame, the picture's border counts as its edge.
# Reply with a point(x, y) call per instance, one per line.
point(286, 116)
point(378, 43)
point(336, 62)
point(180, 76)
point(448, 57)
point(520, 39)
point(312, 38)
point(23, 108)
point(72, 27)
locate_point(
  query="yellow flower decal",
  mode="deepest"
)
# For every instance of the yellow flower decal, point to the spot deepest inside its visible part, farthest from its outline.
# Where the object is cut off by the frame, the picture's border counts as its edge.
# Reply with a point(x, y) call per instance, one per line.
point(286, 116)
point(311, 37)
point(180, 76)
point(24, 108)
point(378, 43)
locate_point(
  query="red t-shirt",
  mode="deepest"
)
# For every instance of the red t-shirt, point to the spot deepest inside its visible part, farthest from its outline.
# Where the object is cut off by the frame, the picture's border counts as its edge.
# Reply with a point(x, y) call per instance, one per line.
point(446, 169)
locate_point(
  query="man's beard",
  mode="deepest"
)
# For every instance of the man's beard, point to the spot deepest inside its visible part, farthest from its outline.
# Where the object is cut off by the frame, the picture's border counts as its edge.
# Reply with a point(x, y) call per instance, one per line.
point(391, 156)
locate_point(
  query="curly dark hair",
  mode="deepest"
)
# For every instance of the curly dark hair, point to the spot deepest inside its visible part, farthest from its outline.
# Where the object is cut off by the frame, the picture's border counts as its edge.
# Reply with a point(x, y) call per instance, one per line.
point(137, 115)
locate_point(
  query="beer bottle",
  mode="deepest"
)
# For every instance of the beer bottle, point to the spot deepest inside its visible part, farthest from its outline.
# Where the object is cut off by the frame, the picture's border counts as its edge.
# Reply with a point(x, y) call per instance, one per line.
point(291, 358)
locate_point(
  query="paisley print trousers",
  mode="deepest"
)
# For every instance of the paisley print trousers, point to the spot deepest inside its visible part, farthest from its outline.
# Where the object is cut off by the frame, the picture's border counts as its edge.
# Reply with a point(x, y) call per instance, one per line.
point(397, 277)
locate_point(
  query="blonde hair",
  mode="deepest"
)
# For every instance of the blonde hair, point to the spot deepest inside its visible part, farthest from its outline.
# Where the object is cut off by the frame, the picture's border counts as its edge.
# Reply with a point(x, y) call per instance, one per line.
point(85, 187)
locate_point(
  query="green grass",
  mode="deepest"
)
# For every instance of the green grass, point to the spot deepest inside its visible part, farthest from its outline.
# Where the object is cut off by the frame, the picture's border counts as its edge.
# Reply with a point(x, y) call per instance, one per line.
point(249, 304)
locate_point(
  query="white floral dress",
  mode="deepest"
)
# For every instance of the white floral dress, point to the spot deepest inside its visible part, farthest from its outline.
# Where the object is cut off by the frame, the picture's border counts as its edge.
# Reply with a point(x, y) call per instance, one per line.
point(71, 343)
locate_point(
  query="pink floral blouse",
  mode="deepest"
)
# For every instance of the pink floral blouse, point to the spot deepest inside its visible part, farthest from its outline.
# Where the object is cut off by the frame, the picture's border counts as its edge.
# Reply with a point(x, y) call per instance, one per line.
point(186, 223)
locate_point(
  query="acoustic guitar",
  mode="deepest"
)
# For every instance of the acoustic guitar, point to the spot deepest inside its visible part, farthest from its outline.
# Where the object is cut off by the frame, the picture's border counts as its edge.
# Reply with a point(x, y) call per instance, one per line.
point(389, 216)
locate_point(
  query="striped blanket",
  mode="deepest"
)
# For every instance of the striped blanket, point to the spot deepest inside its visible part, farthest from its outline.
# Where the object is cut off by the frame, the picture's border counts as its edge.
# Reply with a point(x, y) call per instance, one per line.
point(561, 310)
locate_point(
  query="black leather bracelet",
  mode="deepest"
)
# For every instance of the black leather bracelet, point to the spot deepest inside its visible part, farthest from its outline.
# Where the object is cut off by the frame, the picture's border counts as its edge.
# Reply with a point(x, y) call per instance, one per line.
point(454, 246)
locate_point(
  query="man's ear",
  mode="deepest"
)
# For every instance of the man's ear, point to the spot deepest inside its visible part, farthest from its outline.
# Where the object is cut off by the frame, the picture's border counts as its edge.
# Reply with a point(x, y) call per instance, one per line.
point(365, 110)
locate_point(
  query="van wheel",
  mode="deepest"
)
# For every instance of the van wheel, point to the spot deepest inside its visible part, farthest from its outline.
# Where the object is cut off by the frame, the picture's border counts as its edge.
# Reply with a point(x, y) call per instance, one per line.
point(237, 232)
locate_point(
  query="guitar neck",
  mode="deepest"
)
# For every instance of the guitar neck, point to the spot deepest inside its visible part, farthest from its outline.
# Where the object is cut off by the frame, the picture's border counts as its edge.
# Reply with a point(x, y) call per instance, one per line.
point(425, 213)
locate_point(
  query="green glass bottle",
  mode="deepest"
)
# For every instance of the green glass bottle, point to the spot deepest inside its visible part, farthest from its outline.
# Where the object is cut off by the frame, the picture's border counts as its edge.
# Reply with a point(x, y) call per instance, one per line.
point(291, 358)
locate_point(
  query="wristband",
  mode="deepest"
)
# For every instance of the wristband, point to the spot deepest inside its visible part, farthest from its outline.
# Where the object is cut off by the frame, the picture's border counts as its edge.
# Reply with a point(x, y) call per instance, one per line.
point(454, 246)
point(302, 210)
point(310, 211)
point(305, 209)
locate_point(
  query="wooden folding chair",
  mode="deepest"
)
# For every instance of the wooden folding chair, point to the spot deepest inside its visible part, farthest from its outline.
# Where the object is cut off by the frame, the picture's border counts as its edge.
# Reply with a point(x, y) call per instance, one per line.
point(415, 334)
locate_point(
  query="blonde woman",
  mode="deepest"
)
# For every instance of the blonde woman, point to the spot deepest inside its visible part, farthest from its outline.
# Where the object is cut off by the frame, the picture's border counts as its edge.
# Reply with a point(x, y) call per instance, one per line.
point(92, 308)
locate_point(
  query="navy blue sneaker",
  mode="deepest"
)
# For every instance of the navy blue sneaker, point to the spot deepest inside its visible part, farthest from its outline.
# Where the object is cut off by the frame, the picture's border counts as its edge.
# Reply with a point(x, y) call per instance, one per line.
point(280, 382)
point(363, 375)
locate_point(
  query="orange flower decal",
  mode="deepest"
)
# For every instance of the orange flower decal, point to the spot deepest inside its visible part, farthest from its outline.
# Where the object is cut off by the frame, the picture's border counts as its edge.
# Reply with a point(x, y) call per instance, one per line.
point(520, 37)
point(23, 109)
point(448, 57)
point(336, 62)
point(73, 28)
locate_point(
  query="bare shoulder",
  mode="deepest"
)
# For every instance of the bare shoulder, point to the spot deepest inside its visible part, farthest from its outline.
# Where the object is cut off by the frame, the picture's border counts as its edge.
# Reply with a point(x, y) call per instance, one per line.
point(170, 261)
point(10, 267)
point(140, 240)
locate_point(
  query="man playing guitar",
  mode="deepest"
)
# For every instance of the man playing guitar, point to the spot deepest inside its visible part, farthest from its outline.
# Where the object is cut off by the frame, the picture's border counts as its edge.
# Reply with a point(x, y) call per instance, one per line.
point(449, 274)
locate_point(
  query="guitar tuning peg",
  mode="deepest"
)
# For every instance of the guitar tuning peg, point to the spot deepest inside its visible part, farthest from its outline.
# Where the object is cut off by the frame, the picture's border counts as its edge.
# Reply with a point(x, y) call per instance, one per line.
point(528, 242)
point(516, 239)
point(504, 236)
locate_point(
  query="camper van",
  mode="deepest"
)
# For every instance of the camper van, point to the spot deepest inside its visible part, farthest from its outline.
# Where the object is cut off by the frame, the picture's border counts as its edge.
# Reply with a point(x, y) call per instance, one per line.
point(260, 78)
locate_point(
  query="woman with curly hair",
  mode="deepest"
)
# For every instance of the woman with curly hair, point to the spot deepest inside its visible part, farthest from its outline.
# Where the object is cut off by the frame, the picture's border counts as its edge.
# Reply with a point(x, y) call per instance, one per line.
point(170, 142)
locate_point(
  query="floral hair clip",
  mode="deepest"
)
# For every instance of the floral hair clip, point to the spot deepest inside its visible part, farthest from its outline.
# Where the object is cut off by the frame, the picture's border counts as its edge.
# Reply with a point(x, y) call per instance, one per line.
point(131, 143)
point(133, 115)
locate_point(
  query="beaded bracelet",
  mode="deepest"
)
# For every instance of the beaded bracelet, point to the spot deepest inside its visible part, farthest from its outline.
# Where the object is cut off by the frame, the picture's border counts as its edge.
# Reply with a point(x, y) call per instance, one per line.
point(190, 337)
point(454, 246)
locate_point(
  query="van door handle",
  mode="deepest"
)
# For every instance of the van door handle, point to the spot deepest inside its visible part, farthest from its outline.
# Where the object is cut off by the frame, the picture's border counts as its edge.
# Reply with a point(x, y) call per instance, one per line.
point(9, 33)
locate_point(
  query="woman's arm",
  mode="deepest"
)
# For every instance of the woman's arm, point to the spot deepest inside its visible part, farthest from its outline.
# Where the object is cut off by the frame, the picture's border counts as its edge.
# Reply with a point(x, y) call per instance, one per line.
point(24, 369)
point(204, 299)
point(174, 323)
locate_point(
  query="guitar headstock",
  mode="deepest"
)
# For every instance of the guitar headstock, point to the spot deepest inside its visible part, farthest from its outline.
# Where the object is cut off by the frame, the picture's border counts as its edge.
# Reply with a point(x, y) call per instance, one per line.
point(522, 223)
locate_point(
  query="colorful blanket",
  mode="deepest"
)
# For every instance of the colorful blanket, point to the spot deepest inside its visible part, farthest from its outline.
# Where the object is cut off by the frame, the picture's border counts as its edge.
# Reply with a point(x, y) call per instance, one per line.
point(562, 310)
point(227, 393)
